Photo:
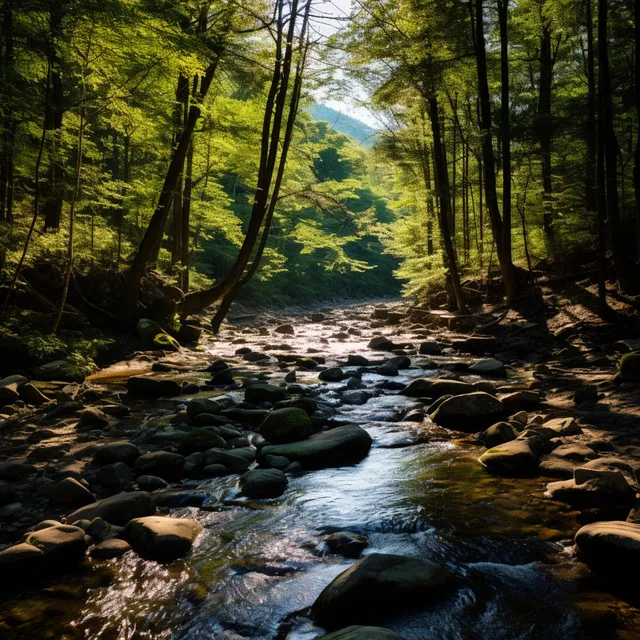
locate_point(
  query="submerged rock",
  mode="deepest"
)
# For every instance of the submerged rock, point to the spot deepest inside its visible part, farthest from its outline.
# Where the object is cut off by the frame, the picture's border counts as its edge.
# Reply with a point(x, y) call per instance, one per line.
point(159, 538)
point(512, 459)
point(346, 543)
point(343, 445)
point(377, 586)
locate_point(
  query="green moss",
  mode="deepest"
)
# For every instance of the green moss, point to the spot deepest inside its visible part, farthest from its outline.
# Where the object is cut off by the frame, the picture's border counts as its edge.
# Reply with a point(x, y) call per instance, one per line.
point(165, 342)
point(630, 367)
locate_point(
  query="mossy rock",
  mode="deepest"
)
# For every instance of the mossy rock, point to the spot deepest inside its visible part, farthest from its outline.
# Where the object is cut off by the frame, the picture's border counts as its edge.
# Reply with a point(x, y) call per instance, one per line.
point(286, 425)
point(200, 440)
point(63, 370)
point(630, 367)
point(165, 342)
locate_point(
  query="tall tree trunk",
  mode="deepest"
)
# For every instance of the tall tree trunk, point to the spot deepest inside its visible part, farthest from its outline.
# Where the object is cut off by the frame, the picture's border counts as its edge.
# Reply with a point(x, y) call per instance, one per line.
point(53, 191)
point(591, 191)
point(621, 262)
point(488, 158)
point(636, 165)
point(442, 185)
point(545, 123)
point(153, 234)
point(186, 220)
point(8, 118)
point(454, 190)
point(508, 271)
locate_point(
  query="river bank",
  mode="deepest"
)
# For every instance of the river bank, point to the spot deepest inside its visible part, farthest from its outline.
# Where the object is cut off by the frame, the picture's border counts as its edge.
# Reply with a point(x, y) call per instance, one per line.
point(411, 486)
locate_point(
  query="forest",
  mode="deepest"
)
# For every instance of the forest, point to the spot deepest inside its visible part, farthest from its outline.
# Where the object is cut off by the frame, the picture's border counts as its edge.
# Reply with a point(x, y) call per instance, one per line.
point(319, 319)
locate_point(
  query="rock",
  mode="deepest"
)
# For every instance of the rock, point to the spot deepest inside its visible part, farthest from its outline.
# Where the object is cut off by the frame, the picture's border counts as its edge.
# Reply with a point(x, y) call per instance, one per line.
point(148, 329)
point(563, 426)
point(159, 538)
point(512, 459)
point(346, 543)
point(381, 343)
point(14, 471)
point(116, 475)
point(149, 387)
point(343, 445)
point(498, 434)
point(523, 399)
point(557, 467)
point(121, 451)
point(263, 483)
point(258, 393)
point(430, 348)
point(8, 392)
point(611, 549)
point(489, 367)
point(476, 345)
point(356, 632)
point(333, 374)
point(151, 483)
point(436, 388)
point(189, 334)
point(107, 549)
point(60, 370)
point(202, 405)
point(386, 369)
point(93, 418)
point(291, 376)
point(286, 329)
point(585, 394)
point(276, 462)
point(470, 411)
point(601, 490)
point(100, 529)
point(317, 317)
point(286, 425)
point(399, 362)
point(71, 492)
point(21, 558)
point(228, 459)
point(575, 452)
point(356, 397)
point(165, 342)
point(520, 419)
point(355, 360)
point(629, 368)
point(32, 395)
point(118, 509)
point(165, 464)
point(200, 440)
point(378, 585)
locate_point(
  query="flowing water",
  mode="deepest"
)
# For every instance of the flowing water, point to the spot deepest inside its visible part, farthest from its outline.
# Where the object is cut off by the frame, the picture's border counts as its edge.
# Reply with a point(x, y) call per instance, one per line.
point(258, 565)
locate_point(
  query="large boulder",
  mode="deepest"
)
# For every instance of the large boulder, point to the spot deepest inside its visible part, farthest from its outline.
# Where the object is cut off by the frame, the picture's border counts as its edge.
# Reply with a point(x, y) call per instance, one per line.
point(356, 632)
point(118, 509)
point(376, 586)
point(286, 425)
point(593, 488)
point(263, 483)
point(159, 538)
point(512, 459)
point(436, 388)
point(611, 548)
point(69, 491)
point(469, 412)
point(258, 393)
point(150, 387)
point(166, 465)
point(343, 445)
point(121, 451)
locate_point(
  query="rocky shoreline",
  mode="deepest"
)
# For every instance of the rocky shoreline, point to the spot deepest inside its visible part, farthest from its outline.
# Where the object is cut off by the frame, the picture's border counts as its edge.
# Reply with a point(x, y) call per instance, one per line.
point(91, 471)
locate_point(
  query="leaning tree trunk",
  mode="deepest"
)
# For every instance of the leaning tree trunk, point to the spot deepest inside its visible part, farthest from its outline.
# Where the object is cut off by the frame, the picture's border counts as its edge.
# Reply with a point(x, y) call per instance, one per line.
point(591, 194)
point(545, 123)
point(442, 185)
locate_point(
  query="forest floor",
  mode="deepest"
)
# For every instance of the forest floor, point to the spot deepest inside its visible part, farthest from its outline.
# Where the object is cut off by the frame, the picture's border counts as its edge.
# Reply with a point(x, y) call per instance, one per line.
point(373, 365)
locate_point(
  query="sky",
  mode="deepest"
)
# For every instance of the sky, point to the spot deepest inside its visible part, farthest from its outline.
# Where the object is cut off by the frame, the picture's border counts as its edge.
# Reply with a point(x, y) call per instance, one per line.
point(336, 9)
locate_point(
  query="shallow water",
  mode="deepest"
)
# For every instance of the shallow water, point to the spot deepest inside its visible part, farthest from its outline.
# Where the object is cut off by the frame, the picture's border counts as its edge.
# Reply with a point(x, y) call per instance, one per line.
point(257, 566)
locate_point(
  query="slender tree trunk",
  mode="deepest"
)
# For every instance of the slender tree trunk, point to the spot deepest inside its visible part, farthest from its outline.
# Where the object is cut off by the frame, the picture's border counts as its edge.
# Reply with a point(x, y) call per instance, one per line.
point(508, 271)
point(609, 143)
point(454, 190)
point(591, 192)
point(545, 123)
point(442, 184)
point(186, 220)
point(488, 158)
point(153, 234)
point(182, 111)
point(53, 191)
point(425, 163)
point(636, 165)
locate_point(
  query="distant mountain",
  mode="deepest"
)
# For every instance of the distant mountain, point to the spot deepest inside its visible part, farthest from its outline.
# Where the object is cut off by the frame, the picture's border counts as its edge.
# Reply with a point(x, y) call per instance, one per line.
point(362, 132)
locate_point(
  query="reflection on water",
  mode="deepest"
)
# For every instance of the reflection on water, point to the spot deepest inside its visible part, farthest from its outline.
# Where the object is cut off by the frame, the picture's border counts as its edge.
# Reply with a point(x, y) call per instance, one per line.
point(252, 570)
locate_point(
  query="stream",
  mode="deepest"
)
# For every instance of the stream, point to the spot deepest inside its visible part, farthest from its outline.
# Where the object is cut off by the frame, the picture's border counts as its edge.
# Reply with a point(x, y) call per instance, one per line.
point(420, 492)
